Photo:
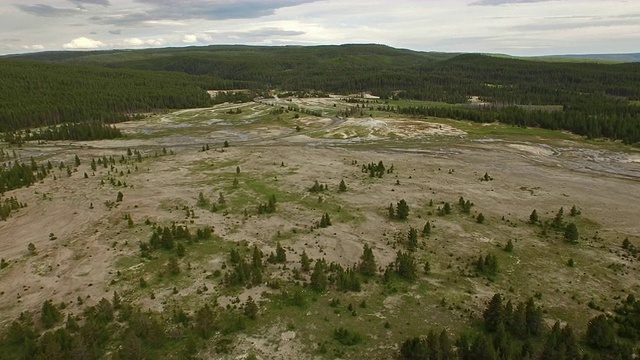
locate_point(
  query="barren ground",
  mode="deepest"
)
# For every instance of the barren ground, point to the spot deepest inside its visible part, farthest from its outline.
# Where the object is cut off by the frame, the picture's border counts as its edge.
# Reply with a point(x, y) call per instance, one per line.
point(437, 160)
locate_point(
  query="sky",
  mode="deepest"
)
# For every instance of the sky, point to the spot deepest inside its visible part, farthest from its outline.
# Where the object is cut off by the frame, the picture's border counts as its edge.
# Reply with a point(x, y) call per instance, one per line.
point(515, 27)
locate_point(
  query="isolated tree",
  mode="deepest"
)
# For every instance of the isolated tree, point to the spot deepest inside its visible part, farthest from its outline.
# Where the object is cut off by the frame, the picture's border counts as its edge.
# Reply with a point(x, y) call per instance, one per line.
point(319, 277)
point(93, 165)
point(402, 210)
point(180, 250)
point(571, 233)
point(558, 221)
point(50, 315)
point(427, 267)
point(342, 187)
point(533, 218)
point(446, 209)
point(493, 315)
point(250, 309)
point(480, 218)
point(367, 265)
point(32, 248)
point(305, 262)
point(412, 238)
point(226, 144)
point(626, 244)
point(205, 322)
point(237, 170)
point(202, 201)
point(426, 230)
point(221, 199)
point(119, 197)
point(574, 211)
point(509, 246)
point(406, 266)
point(281, 254)
point(325, 221)
point(172, 266)
point(391, 211)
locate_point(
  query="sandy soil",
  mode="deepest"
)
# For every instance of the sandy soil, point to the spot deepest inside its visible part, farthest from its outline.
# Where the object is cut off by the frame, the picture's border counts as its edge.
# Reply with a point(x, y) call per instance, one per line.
point(82, 260)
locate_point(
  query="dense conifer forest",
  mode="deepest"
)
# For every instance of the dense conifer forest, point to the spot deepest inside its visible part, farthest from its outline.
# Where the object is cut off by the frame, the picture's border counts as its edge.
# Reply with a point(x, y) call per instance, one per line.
point(597, 99)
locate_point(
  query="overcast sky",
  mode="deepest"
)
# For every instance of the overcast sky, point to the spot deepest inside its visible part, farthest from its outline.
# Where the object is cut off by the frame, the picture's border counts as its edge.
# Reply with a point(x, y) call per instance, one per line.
point(516, 27)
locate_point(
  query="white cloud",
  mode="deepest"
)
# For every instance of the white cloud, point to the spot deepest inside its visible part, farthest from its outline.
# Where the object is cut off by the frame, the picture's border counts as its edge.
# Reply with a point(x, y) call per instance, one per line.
point(84, 43)
point(33, 47)
point(143, 42)
point(189, 39)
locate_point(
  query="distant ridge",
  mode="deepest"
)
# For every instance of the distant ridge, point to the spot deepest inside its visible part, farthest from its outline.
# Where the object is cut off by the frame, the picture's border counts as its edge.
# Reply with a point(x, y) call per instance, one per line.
point(634, 57)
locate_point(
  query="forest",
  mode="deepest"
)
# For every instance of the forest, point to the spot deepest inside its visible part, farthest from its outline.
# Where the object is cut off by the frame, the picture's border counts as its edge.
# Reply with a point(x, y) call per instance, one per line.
point(598, 100)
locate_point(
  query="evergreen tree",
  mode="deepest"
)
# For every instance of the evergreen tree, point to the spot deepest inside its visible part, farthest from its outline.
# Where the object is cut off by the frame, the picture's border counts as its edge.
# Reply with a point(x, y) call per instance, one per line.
point(533, 218)
point(426, 230)
point(600, 333)
point(50, 315)
point(402, 210)
point(480, 218)
point(493, 315)
point(574, 211)
point(509, 246)
point(412, 238)
point(342, 187)
point(367, 265)
point(281, 254)
point(558, 221)
point(250, 309)
point(319, 277)
point(571, 233)
point(305, 262)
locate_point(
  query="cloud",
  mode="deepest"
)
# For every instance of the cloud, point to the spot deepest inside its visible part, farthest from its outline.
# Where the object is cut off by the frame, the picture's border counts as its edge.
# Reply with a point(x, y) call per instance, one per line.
point(180, 10)
point(557, 26)
point(92, 2)
point(84, 43)
point(115, 32)
point(505, 2)
point(266, 33)
point(143, 42)
point(47, 10)
point(33, 47)
point(189, 39)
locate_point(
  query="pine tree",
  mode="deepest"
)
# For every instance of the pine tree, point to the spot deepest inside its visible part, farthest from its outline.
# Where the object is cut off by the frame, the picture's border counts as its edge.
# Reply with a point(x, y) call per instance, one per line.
point(250, 309)
point(480, 218)
point(402, 210)
point(558, 221)
point(533, 218)
point(391, 212)
point(281, 254)
point(367, 265)
point(426, 230)
point(50, 315)
point(77, 161)
point(571, 233)
point(412, 238)
point(509, 246)
point(574, 211)
point(319, 277)
point(172, 266)
point(305, 262)
point(342, 187)
point(493, 315)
